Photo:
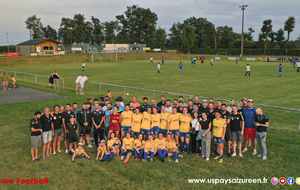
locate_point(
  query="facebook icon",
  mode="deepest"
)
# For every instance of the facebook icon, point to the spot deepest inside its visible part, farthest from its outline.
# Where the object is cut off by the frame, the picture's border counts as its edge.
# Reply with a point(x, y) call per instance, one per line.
point(291, 181)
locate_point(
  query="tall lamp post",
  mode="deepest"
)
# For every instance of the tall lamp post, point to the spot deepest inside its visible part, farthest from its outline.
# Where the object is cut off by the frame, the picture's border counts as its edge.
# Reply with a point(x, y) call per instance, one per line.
point(243, 8)
point(70, 28)
point(7, 43)
point(104, 34)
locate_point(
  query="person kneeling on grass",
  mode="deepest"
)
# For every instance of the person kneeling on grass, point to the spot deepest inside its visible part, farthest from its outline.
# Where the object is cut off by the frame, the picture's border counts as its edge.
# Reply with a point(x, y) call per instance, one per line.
point(172, 148)
point(139, 145)
point(161, 146)
point(117, 146)
point(149, 148)
point(127, 147)
point(110, 151)
point(80, 153)
point(101, 150)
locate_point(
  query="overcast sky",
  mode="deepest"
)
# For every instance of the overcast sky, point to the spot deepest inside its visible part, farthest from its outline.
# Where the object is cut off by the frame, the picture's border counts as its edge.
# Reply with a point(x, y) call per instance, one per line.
point(13, 13)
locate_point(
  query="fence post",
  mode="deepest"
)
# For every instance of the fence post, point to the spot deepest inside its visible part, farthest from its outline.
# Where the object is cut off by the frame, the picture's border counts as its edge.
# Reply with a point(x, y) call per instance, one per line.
point(35, 79)
point(16, 75)
point(25, 77)
point(63, 83)
point(124, 93)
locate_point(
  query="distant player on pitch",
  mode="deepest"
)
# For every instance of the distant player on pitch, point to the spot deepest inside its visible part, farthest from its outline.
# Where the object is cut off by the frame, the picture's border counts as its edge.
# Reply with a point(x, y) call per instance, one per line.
point(280, 69)
point(247, 70)
point(192, 62)
point(158, 67)
point(180, 67)
point(151, 60)
point(83, 66)
point(211, 61)
point(236, 60)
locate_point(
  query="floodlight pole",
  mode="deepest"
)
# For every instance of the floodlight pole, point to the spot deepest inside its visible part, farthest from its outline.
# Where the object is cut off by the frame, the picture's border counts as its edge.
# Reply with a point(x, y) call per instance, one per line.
point(70, 28)
point(104, 34)
point(243, 8)
point(7, 43)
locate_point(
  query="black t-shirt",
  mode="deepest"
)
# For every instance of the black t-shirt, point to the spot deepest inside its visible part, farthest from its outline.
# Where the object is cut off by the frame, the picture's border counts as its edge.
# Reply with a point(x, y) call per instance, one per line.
point(144, 107)
point(37, 125)
point(57, 121)
point(161, 103)
point(218, 110)
point(262, 119)
point(97, 115)
point(235, 123)
point(190, 110)
point(102, 104)
point(46, 122)
point(179, 110)
point(72, 129)
point(66, 116)
point(198, 104)
point(211, 115)
point(205, 124)
point(203, 110)
point(55, 76)
point(226, 116)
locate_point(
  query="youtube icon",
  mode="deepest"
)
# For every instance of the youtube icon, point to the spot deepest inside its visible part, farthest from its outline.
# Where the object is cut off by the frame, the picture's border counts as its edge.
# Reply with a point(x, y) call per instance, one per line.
point(282, 181)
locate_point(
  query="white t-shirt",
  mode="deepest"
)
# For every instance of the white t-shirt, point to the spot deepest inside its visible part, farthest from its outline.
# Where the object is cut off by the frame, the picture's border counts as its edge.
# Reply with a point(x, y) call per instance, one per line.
point(298, 64)
point(158, 66)
point(82, 81)
point(151, 58)
point(83, 64)
point(211, 60)
point(78, 79)
point(196, 124)
point(169, 109)
point(247, 68)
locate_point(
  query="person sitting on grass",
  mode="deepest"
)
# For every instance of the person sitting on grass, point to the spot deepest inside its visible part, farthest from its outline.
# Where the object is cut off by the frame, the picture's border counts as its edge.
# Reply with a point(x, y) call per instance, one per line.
point(172, 148)
point(149, 148)
point(138, 146)
point(101, 150)
point(127, 147)
point(117, 146)
point(110, 151)
point(80, 153)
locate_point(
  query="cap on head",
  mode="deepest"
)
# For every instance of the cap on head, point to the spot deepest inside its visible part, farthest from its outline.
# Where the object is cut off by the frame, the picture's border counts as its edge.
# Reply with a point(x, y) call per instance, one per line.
point(80, 144)
point(204, 101)
point(250, 100)
point(103, 141)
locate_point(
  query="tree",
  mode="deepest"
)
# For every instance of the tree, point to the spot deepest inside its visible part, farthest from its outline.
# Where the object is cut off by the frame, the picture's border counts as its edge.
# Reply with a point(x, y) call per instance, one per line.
point(289, 26)
point(266, 29)
point(97, 36)
point(176, 39)
point(110, 33)
point(35, 26)
point(248, 35)
point(137, 25)
point(49, 32)
point(225, 36)
point(160, 38)
point(189, 37)
point(64, 33)
point(280, 38)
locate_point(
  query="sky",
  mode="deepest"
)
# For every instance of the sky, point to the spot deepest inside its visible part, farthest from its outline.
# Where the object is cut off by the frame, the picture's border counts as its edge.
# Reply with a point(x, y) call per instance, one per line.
point(13, 13)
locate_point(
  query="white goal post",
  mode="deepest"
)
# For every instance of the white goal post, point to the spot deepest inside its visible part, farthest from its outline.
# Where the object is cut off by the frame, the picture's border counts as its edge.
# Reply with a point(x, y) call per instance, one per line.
point(99, 56)
point(221, 53)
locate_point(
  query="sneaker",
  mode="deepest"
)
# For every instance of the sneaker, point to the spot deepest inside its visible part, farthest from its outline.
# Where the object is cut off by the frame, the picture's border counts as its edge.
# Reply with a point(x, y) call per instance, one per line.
point(162, 160)
point(197, 154)
point(109, 160)
point(151, 159)
point(73, 150)
point(122, 157)
point(54, 153)
point(254, 152)
point(234, 154)
point(139, 159)
point(194, 154)
point(229, 155)
point(169, 159)
point(217, 157)
point(67, 151)
point(70, 153)
point(89, 158)
point(264, 158)
point(176, 160)
point(90, 146)
point(207, 159)
point(203, 156)
point(72, 160)
point(188, 152)
point(221, 160)
point(259, 156)
point(240, 154)
point(136, 158)
point(126, 160)
point(59, 151)
point(143, 160)
point(102, 160)
point(245, 150)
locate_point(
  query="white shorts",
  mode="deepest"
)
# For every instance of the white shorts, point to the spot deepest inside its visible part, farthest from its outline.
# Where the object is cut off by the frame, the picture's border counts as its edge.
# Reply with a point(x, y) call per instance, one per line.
point(47, 136)
point(82, 85)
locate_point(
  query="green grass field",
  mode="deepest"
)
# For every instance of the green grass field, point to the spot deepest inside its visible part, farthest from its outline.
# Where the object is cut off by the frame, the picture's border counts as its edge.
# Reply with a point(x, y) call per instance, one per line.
point(224, 80)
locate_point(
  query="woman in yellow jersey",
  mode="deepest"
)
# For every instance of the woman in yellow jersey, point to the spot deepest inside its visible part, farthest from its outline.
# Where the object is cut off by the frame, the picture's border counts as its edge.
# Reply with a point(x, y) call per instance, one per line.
point(149, 148)
point(172, 149)
point(184, 129)
point(173, 124)
point(139, 145)
point(101, 150)
point(219, 131)
point(146, 123)
point(164, 120)
point(126, 118)
point(110, 150)
point(161, 146)
point(155, 122)
point(127, 147)
point(136, 123)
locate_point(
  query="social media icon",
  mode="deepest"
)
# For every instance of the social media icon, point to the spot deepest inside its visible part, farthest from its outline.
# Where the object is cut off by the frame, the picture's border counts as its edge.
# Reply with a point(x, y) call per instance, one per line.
point(274, 180)
point(298, 181)
point(282, 180)
point(290, 181)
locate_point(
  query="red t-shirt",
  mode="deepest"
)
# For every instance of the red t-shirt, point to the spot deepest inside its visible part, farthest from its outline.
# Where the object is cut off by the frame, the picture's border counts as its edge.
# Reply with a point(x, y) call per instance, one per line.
point(135, 105)
point(121, 57)
point(114, 117)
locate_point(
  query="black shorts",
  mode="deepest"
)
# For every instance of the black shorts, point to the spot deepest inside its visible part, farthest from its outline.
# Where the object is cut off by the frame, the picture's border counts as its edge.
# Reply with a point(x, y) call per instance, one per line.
point(73, 139)
point(51, 80)
point(227, 134)
point(83, 67)
point(66, 135)
point(85, 130)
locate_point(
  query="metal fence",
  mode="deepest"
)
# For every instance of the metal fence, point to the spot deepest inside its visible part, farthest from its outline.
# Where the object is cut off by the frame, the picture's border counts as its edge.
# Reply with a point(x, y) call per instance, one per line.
point(29, 74)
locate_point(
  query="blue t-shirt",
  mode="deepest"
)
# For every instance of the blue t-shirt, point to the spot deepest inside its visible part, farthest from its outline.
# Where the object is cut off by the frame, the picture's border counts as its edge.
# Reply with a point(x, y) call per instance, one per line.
point(192, 60)
point(180, 65)
point(236, 59)
point(107, 113)
point(120, 108)
point(163, 59)
point(249, 117)
point(280, 68)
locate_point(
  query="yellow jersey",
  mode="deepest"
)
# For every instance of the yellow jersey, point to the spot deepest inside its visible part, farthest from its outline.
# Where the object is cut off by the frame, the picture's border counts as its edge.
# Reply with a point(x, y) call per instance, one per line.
point(126, 118)
point(146, 121)
point(164, 120)
point(111, 142)
point(150, 146)
point(102, 148)
point(136, 122)
point(13, 79)
point(128, 143)
point(79, 152)
point(185, 123)
point(218, 127)
point(171, 145)
point(138, 143)
point(155, 120)
point(174, 121)
point(160, 144)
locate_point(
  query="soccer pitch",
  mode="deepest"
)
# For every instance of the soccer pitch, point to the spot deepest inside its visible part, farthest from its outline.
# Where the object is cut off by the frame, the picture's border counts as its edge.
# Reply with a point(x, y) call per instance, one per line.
point(224, 80)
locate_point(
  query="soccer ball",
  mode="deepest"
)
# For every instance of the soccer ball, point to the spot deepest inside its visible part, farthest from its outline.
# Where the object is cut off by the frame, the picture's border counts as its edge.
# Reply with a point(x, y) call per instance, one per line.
point(127, 94)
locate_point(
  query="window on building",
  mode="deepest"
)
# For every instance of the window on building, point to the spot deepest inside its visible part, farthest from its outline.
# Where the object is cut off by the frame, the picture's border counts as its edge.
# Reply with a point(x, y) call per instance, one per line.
point(47, 48)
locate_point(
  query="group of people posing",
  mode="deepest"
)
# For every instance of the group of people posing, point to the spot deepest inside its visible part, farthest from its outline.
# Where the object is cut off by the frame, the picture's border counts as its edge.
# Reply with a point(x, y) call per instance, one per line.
point(145, 130)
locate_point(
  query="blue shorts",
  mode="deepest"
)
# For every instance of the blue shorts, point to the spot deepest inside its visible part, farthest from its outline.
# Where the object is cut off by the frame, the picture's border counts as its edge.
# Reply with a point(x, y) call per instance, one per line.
point(79, 156)
point(280, 71)
point(135, 133)
point(219, 140)
point(164, 131)
point(175, 132)
point(145, 132)
point(125, 129)
point(185, 135)
point(128, 151)
point(181, 67)
point(155, 130)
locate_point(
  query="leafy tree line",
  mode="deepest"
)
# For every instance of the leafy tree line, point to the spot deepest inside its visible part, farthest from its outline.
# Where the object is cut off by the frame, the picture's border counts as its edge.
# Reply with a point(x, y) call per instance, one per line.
point(139, 25)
